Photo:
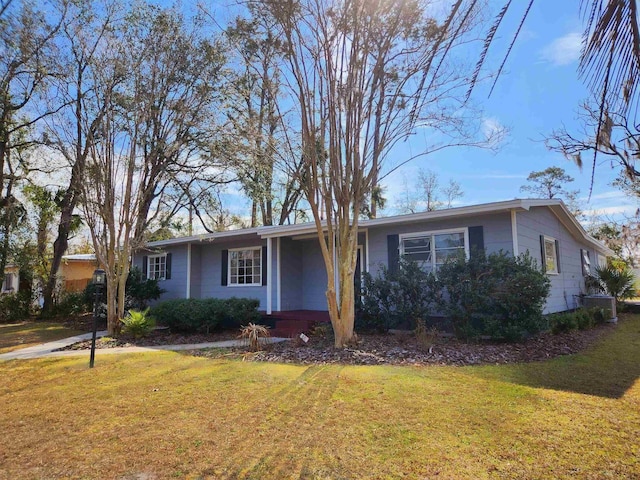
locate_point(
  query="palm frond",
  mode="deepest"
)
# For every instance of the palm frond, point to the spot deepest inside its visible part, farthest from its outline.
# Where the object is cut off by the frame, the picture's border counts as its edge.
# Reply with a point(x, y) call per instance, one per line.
point(610, 59)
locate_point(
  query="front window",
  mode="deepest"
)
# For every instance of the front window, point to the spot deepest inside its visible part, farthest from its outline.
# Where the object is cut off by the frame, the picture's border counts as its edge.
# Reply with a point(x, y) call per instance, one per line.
point(8, 282)
point(550, 255)
point(157, 267)
point(432, 249)
point(245, 267)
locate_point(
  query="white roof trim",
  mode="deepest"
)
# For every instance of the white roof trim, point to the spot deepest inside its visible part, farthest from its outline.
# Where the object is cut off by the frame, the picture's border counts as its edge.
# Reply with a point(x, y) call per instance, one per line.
point(205, 237)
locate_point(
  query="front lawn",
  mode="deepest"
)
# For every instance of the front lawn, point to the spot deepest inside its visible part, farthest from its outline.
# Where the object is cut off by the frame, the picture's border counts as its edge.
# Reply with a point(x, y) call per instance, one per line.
point(27, 334)
point(170, 415)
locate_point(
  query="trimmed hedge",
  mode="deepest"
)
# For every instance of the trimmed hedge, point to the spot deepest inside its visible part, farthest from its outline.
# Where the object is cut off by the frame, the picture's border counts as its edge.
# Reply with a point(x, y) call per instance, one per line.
point(580, 319)
point(204, 315)
point(495, 295)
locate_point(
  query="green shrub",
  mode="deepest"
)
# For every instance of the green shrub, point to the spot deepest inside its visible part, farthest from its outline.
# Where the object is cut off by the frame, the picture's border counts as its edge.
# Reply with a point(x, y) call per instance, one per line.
point(580, 319)
point(71, 303)
point(138, 323)
point(204, 315)
point(15, 307)
point(584, 320)
point(236, 312)
point(496, 295)
point(598, 315)
point(562, 322)
point(407, 294)
point(140, 290)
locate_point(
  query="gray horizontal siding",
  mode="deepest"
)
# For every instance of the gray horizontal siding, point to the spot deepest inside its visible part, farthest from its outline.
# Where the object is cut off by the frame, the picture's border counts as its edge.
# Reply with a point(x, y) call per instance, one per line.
point(291, 273)
point(314, 276)
point(496, 229)
point(569, 282)
point(211, 273)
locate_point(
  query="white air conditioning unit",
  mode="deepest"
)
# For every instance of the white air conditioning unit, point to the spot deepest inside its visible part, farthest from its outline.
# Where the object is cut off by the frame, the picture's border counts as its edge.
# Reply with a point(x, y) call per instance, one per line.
point(608, 304)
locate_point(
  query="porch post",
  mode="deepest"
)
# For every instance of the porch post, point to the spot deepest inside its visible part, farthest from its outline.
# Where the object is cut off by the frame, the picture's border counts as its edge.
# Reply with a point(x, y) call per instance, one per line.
point(188, 295)
point(278, 279)
point(366, 251)
point(269, 276)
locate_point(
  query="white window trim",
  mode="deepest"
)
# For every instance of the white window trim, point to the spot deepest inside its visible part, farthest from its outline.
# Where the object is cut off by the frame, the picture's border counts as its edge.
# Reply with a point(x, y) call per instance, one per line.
point(152, 257)
point(464, 230)
point(236, 285)
point(555, 251)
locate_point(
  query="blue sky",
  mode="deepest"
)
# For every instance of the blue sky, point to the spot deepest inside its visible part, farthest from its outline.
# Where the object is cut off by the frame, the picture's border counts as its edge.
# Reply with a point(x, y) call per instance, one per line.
point(539, 91)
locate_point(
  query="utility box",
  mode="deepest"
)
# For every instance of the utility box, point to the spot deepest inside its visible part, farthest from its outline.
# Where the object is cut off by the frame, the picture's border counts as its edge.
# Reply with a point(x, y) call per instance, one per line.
point(607, 304)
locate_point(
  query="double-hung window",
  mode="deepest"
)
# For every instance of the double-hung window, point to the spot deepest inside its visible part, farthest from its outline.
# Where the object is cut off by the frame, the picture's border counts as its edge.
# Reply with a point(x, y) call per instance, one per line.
point(157, 267)
point(550, 255)
point(245, 266)
point(7, 286)
point(432, 249)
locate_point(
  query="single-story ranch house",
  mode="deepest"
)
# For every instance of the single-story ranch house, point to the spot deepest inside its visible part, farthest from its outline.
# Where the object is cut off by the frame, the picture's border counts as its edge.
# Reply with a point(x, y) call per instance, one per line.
point(282, 265)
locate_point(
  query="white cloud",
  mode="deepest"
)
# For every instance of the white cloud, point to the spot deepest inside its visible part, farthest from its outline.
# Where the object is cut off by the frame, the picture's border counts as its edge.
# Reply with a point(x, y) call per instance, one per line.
point(612, 210)
point(563, 50)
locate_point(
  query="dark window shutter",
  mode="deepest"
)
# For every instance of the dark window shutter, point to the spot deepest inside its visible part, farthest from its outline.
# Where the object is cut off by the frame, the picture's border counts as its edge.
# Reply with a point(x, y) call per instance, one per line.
point(543, 258)
point(167, 267)
point(145, 266)
point(224, 267)
point(558, 256)
point(476, 239)
point(393, 250)
point(264, 265)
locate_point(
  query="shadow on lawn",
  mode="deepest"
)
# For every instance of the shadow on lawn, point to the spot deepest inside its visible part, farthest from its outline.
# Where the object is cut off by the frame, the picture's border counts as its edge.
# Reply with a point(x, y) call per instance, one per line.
point(608, 369)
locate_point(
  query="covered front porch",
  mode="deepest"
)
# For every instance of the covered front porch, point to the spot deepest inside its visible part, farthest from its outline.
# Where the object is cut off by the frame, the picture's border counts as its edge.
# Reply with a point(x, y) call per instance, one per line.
point(296, 285)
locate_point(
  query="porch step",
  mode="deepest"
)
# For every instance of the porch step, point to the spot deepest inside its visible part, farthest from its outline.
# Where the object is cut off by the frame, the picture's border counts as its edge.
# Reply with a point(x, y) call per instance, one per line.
point(290, 324)
point(292, 328)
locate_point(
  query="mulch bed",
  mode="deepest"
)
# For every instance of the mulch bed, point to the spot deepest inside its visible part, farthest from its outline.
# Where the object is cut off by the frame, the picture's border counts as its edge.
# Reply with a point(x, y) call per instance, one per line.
point(390, 349)
point(403, 349)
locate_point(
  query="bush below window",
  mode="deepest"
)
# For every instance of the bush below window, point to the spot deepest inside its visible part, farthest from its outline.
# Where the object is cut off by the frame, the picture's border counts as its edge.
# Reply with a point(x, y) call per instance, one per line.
point(396, 297)
point(205, 315)
point(495, 295)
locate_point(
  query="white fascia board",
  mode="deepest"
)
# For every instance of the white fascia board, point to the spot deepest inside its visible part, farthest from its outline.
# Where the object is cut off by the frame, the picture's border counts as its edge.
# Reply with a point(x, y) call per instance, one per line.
point(207, 237)
point(448, 213)
point(563, 214)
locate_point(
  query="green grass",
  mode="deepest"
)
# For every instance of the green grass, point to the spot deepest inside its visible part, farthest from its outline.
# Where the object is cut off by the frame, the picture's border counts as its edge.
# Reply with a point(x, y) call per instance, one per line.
point(26, 334)
point(170, 415)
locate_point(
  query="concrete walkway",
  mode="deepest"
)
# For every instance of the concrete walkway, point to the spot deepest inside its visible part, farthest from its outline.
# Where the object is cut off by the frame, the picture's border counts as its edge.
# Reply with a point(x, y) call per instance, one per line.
point(46, 350)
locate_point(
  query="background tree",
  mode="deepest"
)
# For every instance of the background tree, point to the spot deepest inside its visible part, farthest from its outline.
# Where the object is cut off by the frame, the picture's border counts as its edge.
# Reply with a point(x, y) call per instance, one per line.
point(156, 85)
point(364, 75)
point(257, 115)
point(27, 50)
point(428, 194)
point(72, 130)
point(551, 183)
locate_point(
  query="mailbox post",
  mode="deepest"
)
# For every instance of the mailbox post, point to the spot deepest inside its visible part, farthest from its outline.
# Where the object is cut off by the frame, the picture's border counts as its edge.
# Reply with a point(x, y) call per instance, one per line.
point(99, 281)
